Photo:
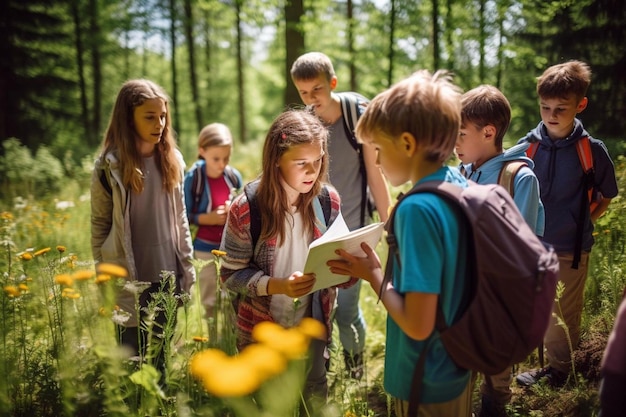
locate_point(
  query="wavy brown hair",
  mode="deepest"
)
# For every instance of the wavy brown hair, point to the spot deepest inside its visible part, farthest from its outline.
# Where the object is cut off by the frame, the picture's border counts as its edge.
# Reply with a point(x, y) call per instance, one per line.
point(291, 128)
point(120, 137)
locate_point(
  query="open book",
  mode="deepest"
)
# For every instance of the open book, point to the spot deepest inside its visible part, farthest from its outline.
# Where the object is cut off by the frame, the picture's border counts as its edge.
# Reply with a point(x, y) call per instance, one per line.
point(338, 236)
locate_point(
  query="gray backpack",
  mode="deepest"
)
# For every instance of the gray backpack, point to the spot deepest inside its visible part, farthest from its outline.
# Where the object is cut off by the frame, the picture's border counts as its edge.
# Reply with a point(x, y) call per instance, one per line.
point(511, 279)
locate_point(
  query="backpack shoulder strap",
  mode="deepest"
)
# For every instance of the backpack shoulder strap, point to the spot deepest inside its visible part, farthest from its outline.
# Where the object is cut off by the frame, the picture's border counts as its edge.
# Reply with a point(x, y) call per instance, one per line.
point(197, 187)
point(105, 182)
point(509, 170)
point(232, 178)
point(255, 215)
point(352, 107)
point(583, 147)
point(531, 151)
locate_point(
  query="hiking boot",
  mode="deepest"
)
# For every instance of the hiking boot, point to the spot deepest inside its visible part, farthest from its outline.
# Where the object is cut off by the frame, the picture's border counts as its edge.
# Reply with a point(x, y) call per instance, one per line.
point(554, 378)
point(354, 364)
point(491, 408)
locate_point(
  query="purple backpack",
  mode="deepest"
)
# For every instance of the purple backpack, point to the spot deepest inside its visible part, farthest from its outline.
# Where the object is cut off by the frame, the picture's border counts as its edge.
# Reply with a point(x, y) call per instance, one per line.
point(511, 276)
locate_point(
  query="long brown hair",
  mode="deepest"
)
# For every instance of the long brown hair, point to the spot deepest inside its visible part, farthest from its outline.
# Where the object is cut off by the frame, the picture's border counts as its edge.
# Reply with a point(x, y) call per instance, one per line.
point(120, 136)
point(291, 128)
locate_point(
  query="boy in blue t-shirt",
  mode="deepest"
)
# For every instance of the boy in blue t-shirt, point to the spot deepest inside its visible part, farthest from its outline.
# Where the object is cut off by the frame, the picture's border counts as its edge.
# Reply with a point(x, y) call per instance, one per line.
point(485, 118)
point(569, 220)
point(413, 127)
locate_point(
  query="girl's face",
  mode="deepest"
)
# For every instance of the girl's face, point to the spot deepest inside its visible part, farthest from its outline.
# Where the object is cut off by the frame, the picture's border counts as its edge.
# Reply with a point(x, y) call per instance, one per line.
point(216, 157)
point(149, 122)
point(299, 168)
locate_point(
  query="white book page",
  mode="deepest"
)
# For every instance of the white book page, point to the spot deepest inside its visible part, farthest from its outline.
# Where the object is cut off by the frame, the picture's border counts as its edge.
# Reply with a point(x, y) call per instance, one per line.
point(336, 237)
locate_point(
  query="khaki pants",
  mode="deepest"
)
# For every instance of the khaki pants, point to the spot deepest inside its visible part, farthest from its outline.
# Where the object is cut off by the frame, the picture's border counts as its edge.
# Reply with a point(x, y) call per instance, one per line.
point(498, 387)
point(461, 406)
point(569, 308)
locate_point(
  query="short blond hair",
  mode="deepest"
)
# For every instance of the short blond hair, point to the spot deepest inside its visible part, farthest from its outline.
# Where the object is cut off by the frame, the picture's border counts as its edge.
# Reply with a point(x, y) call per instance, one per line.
point(214, 134)
point(428, 106)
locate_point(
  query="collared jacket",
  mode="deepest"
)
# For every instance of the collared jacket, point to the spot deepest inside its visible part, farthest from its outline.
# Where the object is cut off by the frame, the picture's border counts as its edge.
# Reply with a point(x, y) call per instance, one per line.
point(244, 267)
point(111, 239)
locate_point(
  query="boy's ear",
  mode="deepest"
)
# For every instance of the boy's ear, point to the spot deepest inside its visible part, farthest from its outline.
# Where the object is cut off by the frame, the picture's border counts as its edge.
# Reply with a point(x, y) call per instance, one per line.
point(408, 142)
point(582, 104)
point(489, 131)
point(333, 82)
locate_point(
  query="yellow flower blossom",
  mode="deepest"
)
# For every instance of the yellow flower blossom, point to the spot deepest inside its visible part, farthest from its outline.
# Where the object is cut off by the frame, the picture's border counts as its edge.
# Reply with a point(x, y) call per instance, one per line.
point(82, 275)
point(262, 358)
point(200, 339)
point(224, 376)
point(61, 249)
point(64, 279)
point(202, 362)
point(70, 293)
point(26, 256)
point(218, 253)
point(41, 251)
point(100, 278)
point(312, 328)
point(11, 290)
point(291, 342)
point(5, 215)
point(112, 269)
point(23, 287)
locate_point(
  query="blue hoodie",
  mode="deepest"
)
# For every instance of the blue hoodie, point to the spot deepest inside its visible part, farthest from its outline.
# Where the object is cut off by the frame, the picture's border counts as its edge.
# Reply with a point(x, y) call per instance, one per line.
point(525, 184)
point(560, 176)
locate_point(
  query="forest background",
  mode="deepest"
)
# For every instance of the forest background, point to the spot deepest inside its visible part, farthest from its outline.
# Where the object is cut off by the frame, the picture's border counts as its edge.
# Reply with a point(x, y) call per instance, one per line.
point(62, 63)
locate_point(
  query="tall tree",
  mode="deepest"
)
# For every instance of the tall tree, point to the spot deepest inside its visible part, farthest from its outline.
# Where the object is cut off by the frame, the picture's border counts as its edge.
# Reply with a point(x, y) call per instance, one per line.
point(80, 68)
point(172, 32)
point(95, 41)
point(436, 34)
point(392, 41)
point(188, 24)
point(294, 44)
point(240, 73)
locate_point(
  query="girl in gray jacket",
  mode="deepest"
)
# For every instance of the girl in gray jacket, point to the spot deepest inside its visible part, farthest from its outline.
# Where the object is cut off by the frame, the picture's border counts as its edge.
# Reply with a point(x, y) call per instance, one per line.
point(138, 217)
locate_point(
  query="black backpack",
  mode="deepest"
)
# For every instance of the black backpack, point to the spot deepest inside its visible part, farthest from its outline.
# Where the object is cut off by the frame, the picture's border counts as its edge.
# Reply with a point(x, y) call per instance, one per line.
point(512, 283)
point(255, 215)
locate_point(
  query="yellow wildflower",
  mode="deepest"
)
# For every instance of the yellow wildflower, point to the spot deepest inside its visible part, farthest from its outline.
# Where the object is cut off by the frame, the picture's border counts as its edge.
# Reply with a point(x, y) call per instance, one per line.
point(218, 253)
point(64, 279)
point(61, 249)
point(5, 215)
point(11, 290)
point(112, 269)
point(100, 278)
point(312, 328)
point(26, 256)
point(200, 339)
point(291, 342)
point(224, 376)
point(83, 275)
point(42, 251)
point(70, 293)
point(262, 358)
point(23, 287)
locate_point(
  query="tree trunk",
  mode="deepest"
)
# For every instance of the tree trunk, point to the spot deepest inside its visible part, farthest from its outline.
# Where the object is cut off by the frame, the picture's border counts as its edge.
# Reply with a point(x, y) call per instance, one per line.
point(392, 32)
point(193, 80)
point(482, 35)
point(351, 57)
point(94, 23)
point(91, 136)
point(240, 77)
point(294, 45)
point(436, 32)
point(175, 113)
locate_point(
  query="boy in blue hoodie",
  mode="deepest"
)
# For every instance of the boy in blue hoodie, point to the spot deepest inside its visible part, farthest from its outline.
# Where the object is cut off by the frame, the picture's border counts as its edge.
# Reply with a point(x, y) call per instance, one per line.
point(564, 193)
point(485, 118)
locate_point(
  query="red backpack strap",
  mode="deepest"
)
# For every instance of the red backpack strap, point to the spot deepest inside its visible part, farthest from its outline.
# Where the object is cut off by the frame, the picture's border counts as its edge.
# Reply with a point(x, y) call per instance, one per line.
point(583, 147)
point(532, 150)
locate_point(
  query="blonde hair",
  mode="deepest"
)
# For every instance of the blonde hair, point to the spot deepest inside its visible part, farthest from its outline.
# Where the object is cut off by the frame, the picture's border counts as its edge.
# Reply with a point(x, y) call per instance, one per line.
point(486, 105)
point(311, 65)
point(214, 134)
point(428, 106)
point(120, 136)
point(559, 81)
point(291, 128)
